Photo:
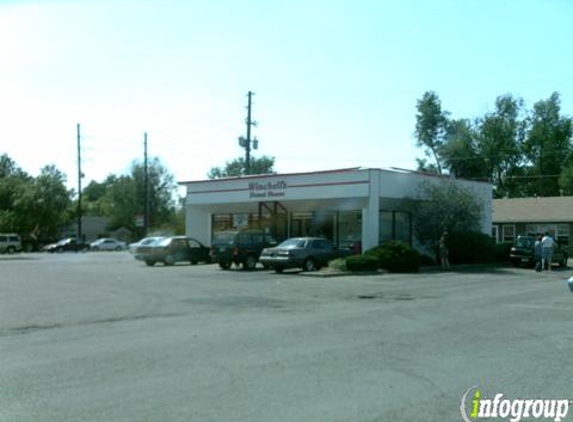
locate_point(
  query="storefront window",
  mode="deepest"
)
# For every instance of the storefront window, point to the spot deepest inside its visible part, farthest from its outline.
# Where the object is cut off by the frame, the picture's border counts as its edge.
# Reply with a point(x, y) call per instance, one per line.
point(386, 226)
point(239, 221)
point(395, 225)
point(222, 222)
point(318, 223)
point(349, 228)
point(402, 227)
point(300, 223)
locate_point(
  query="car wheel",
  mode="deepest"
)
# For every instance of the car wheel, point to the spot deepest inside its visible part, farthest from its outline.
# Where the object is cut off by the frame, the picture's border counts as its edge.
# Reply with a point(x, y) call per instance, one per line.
point(224, 265)
point(250, 263)
point(309, 265)
point(118, 248)
point(150, 263)
point(95, 249)
point(279, 270)
point(10, 250)
point(169, 260)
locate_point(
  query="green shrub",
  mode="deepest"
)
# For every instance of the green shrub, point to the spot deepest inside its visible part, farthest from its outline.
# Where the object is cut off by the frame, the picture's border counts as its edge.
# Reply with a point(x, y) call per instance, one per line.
point(470, 247)
point(396, 257)
point(356, 263)
point(501, 251)
point(338, 264)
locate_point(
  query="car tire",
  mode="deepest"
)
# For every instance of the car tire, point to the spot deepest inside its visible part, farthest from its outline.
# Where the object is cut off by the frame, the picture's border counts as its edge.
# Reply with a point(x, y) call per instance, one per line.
point(150, 263)
point(309, 265)
point(169, 260)
point(118, 248)
point(10, 250)
point(224, 265)
point(250, 263)
point(95, 249)
point(279, 270)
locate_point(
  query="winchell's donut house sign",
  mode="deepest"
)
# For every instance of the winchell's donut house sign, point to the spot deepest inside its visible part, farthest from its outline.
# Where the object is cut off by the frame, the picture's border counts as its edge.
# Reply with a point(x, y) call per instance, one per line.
point(267, 190)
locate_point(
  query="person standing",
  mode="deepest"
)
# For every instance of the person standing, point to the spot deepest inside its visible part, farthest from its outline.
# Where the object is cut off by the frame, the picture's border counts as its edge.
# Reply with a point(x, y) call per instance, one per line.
point(444, 251)
point(538, 253)
point(547, 251)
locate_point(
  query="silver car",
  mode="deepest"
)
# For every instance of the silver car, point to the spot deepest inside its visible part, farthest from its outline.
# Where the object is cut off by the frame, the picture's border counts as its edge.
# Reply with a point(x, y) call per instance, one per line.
point(107, 244)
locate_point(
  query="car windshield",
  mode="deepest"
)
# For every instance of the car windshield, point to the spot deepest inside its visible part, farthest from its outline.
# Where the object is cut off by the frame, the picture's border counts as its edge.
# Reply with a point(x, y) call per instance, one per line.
point(63, 242)
point(150, 240)
point(163, 242)
point(292, 243)
point(525, 242)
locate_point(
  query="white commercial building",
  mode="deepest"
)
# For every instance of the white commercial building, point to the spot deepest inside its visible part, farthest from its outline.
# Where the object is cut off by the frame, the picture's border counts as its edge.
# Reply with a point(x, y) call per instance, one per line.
point(349, 206)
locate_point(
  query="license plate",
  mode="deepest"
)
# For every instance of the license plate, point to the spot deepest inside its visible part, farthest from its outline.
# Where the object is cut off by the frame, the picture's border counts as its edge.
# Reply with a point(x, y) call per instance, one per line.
point(524, 260)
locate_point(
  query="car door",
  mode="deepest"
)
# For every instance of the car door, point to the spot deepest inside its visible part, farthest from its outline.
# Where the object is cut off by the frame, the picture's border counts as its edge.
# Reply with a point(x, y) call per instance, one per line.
point(318, 251)
point(180, 250)
point(196, 251)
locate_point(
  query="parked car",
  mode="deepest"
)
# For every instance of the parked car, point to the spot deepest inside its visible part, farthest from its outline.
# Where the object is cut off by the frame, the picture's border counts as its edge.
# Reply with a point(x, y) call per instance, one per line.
point(10, 243)
point(145, 241)
point(240, 247)
point(107, 244)
point(66, 245)
point(173, 249)
point(522, 253)
point(308, 253)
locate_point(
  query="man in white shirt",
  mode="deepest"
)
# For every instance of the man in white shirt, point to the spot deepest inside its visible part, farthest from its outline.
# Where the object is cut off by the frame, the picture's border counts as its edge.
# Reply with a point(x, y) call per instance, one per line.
point(547, 252)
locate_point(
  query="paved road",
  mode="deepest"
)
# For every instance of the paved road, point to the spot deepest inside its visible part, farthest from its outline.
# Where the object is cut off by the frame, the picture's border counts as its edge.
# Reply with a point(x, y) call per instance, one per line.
point(100, 337)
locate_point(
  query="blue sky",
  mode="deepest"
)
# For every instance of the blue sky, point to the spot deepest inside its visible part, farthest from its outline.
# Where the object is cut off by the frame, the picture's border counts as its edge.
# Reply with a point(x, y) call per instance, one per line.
point(336, 81)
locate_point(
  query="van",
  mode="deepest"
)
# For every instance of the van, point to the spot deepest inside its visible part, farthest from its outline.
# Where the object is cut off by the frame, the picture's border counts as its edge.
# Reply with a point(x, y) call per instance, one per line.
point(10, 243)
point(240, 247)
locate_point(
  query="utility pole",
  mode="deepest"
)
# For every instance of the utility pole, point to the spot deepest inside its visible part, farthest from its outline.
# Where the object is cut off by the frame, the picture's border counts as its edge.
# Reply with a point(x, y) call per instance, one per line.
point(248, 147)
point(246, 143)
point(146, 187)
point(80, 175)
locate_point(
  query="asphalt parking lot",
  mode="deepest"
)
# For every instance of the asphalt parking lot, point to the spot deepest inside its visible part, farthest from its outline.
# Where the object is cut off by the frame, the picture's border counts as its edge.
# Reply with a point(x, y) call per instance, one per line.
point(101, 337)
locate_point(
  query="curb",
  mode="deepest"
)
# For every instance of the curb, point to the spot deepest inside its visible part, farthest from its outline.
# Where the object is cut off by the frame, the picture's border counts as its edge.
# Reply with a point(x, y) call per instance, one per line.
point(348, 274)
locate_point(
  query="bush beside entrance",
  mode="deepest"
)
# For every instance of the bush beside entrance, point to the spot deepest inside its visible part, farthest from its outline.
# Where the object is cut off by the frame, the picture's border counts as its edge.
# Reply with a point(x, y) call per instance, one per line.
point(358, 263)
point(396, 257)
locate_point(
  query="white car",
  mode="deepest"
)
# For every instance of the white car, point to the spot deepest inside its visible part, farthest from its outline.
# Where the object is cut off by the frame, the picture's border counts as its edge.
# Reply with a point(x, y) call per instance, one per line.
point(143, 242)
point(107, 244)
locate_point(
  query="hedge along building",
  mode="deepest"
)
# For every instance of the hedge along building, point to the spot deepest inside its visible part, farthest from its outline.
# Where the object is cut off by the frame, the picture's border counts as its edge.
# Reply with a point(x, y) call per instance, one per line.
point(348, 206)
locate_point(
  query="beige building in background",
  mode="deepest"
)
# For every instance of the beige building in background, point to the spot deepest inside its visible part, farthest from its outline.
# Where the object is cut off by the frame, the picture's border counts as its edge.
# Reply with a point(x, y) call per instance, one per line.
point(515, 216)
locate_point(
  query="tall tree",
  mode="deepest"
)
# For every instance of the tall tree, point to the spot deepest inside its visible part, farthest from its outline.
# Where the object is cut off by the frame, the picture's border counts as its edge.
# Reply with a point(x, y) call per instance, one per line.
point(501, 134)
point(40, 206)
point(460, 152)
point(162, 190)
point(548, 149)
point(121, 198)
point(237, 167)
point(431, 124)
